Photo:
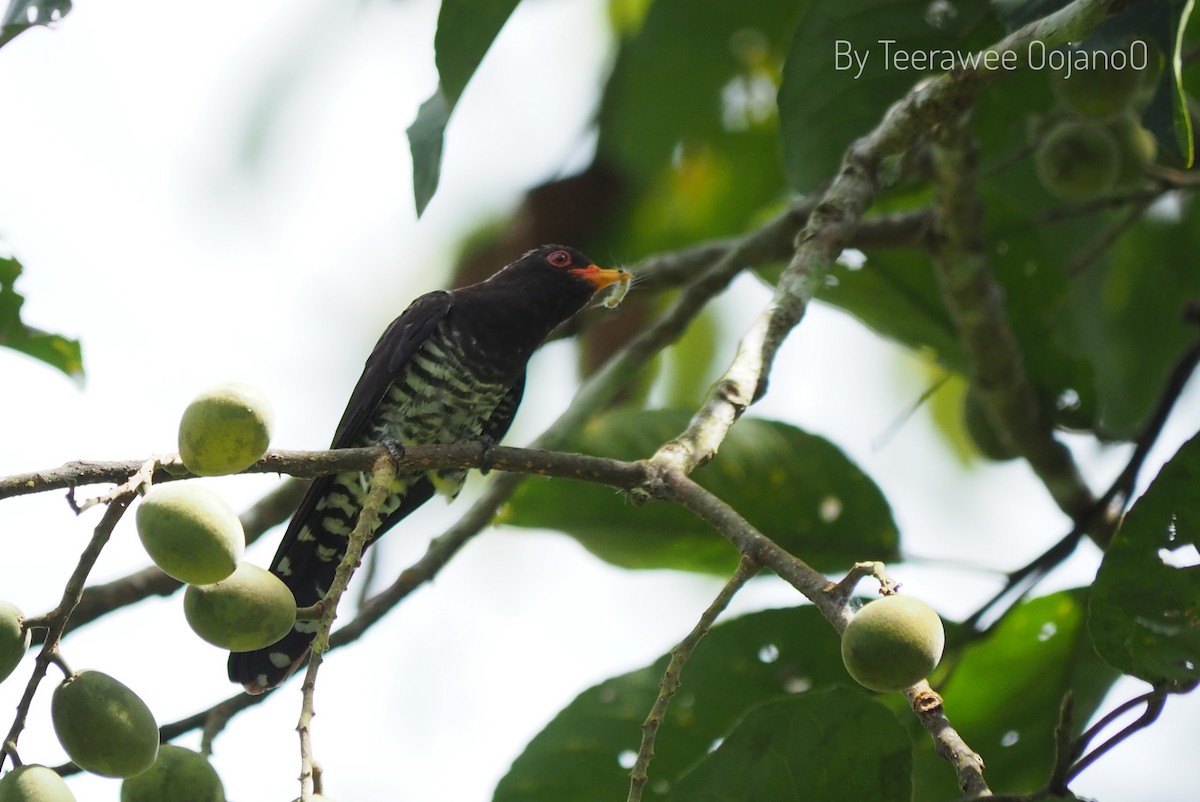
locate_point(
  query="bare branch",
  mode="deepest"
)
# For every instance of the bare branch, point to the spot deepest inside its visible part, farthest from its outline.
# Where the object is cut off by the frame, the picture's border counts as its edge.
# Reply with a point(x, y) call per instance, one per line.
point(381, 486)
point(57, 619)
point(833, 221)
point(671, 680)
point(976, 303)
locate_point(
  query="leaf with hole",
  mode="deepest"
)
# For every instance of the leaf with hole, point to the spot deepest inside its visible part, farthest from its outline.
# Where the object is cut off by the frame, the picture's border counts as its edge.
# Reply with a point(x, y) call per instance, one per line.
point(798, 489)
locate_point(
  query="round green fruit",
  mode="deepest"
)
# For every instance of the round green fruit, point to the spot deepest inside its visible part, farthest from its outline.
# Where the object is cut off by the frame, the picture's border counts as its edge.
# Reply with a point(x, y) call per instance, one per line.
point(103, 726)
point(981, 431)
point(1078, 159)
point(1100, 93)
point(14, 638)
point(893, 643)
point(179, 775)
point(225, 430)
point(190, 532)
point(249, 610)
point(1137, 148)
point(33, 783)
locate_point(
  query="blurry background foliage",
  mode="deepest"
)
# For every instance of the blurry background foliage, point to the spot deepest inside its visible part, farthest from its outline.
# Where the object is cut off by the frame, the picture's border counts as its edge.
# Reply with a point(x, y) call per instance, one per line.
point(714, 116)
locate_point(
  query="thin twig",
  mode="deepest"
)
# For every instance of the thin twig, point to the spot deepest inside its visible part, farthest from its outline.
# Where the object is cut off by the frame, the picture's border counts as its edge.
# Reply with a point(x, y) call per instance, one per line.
point(1105, 512)
point(57, 619)
point(368, 517)
point(671, 679)
point(1155, 701)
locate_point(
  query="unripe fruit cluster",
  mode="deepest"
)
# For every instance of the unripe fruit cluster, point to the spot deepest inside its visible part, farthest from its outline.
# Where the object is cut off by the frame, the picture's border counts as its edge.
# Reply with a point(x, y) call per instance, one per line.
point(1099, 144)
point(191, 533)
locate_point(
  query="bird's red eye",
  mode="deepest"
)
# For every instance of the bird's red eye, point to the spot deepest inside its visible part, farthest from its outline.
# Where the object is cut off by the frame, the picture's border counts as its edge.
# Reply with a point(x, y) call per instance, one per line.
point(559, 259)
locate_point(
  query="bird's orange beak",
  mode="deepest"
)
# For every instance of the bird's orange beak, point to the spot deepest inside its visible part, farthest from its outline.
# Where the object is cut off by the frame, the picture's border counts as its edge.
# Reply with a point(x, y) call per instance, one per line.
point(599, 277)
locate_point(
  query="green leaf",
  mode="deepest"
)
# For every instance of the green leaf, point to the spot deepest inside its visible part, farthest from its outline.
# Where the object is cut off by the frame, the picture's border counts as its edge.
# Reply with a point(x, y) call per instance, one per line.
point(1145, 614)
point(796, 488)
point(465, 31)
point(828, 98)
point(688, 121)
point(1004, 694)
point(25, 14)
point(835, 744)
point(53, 349)
point(739, 666)
point(425, 138)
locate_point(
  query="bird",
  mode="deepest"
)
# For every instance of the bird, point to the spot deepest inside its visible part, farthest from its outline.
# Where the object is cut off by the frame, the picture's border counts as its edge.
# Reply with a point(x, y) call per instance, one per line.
point(451, 368)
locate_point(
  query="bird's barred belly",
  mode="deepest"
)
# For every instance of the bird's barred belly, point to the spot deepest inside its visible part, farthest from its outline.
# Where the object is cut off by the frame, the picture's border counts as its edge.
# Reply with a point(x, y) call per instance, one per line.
point(436, 401)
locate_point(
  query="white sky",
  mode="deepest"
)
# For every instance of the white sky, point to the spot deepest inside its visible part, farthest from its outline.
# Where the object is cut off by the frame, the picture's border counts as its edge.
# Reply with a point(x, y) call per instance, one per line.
point(148, 230)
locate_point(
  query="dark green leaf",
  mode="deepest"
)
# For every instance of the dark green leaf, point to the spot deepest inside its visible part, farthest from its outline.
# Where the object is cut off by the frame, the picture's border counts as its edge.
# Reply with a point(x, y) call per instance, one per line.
point(828, 99)
point(25, 14)
point(688, 120)
point(740, 665)
point(1145, 614)
point(835, 744)
point(53, 349)
point(1004, 694)
point(465, 31)
point(798, 489)
point(425, 137)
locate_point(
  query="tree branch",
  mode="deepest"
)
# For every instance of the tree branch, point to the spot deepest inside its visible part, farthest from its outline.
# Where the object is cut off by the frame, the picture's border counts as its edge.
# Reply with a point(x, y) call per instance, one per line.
point(671, 680)
point(57, 619)
point(976, 303)
point(381, 486)
point(838, 214)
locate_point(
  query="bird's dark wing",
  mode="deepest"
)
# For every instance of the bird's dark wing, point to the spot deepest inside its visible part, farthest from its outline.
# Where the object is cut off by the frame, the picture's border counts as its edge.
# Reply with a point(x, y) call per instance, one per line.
point(393, 351)
point(397, 345)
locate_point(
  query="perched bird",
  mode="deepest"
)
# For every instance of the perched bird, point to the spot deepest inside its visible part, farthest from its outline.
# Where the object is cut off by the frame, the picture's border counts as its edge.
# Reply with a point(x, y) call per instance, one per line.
point(450, 369)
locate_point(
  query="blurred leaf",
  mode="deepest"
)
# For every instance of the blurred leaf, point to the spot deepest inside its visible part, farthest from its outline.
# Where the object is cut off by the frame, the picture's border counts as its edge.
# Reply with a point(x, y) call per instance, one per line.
point(835, 744)
point(828, 99)
point(694, 138)
point(896, 294)
point(1004, 693)
point(689, 366)
point(465, 31)
point(738, 666)
point(425, 138)
point(796, 488)
point(1145, 613)
point(1136, 295)
point(53, 349)
point(1167, 116)
point(25, 14)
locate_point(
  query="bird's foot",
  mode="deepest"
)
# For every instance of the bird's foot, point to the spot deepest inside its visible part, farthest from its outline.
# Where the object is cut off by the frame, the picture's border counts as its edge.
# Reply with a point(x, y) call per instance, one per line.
point(395, 450)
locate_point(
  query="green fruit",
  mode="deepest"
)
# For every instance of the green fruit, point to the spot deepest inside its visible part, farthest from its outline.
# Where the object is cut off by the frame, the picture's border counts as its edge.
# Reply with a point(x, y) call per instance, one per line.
point(981, 431)
point(33, 783)
point(179, 775)
point(893, 643)
point(103, 726)
point(190, 533)
point(225, 430)
point(1101, 93)
point(14, 638)
point(1078, 159)
point(1137, 148)
point(249, 610)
